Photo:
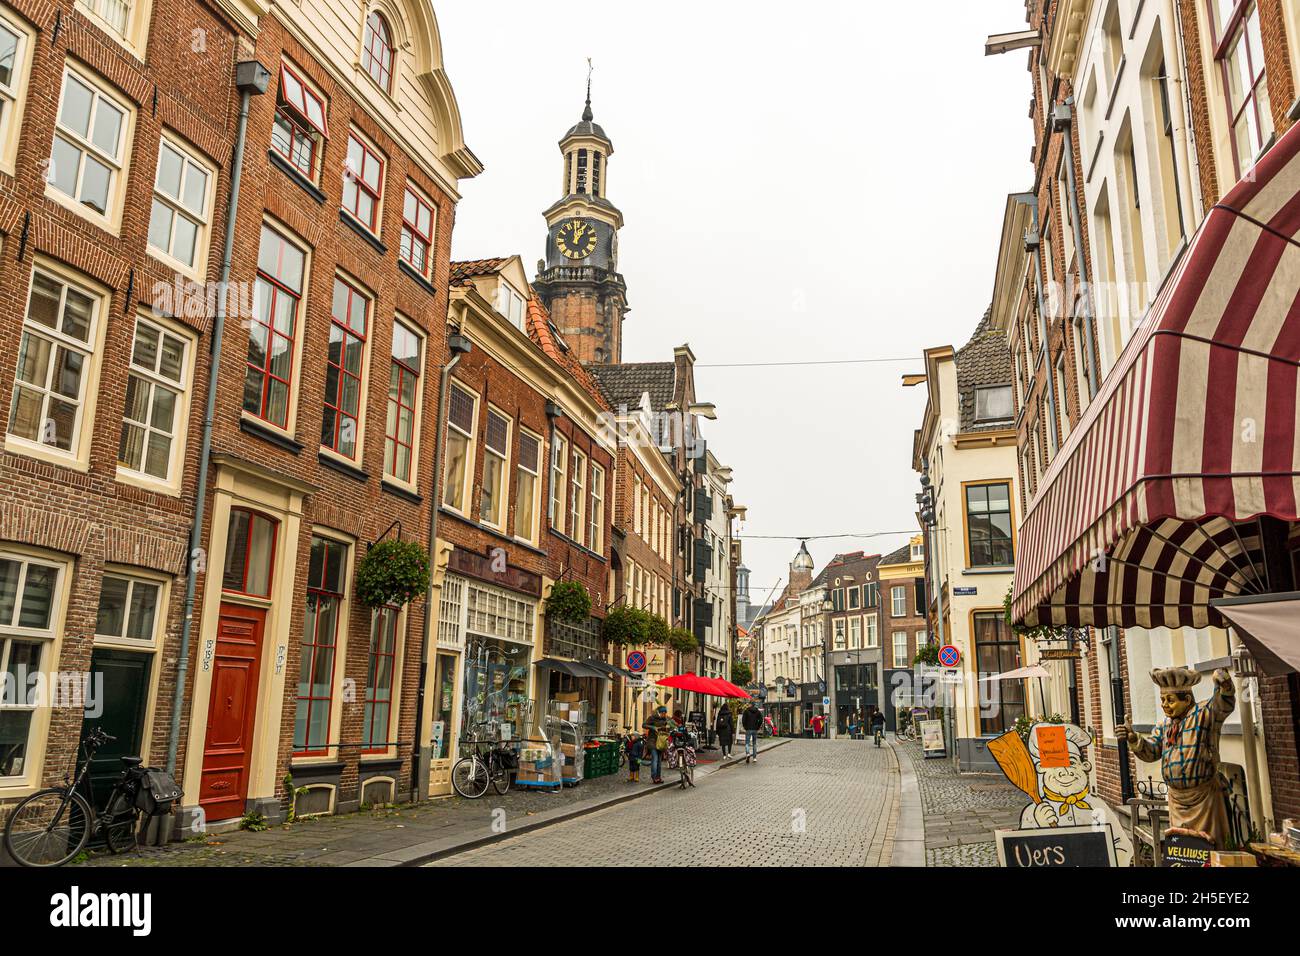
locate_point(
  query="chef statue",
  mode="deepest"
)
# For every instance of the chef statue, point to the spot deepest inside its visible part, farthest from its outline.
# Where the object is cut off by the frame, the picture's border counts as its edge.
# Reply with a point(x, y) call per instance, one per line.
point(1064, 799)
point(1187, 745)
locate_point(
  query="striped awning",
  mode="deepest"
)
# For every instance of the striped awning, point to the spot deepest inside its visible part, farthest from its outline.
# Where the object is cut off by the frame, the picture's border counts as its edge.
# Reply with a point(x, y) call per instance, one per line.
point(1148, 512)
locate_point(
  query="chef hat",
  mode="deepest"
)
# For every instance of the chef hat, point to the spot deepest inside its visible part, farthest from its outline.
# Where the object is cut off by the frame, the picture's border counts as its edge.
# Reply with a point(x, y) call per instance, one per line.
point(1075, 738)
point(1176, 678)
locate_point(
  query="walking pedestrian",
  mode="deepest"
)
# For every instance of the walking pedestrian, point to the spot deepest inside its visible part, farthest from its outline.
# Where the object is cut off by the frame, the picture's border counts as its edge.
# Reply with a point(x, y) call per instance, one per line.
point(818, 725)
point(751, 721)
point(725, 728)
point(656, 727)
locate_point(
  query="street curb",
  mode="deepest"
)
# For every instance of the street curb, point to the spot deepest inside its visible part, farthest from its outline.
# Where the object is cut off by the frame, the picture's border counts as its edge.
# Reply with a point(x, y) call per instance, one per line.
point(909, 838)
point(422, 853)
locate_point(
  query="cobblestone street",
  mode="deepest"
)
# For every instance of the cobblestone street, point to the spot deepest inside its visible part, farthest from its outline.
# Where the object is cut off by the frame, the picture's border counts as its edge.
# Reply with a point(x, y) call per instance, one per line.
point(961, 810)
point(807, 803)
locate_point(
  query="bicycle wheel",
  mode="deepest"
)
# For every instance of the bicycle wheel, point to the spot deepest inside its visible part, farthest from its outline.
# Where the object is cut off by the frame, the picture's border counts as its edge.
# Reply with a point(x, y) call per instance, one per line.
point(120, 823)
point(49, 828)
point(469, 777)
point(501, 779)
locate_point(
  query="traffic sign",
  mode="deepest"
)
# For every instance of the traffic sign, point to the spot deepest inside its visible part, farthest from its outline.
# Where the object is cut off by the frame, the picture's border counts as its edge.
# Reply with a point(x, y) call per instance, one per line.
point(949, 655)
point(826, 701)
point(636, 662)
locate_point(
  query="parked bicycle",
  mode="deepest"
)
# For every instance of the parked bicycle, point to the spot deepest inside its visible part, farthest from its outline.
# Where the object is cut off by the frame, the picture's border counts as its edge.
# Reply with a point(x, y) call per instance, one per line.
point(53, 825)
point(473, 774)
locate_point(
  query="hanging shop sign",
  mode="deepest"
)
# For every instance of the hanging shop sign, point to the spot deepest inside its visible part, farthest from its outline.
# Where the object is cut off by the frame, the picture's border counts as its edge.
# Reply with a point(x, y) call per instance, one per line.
point(1059, 654)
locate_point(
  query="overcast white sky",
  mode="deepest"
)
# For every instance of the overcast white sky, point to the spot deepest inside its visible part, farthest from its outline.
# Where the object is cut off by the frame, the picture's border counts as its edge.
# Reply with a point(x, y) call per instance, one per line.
point(801, 181)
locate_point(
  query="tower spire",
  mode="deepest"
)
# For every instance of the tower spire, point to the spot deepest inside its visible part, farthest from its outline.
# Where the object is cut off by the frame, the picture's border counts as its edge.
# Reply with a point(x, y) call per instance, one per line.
point(587, 115)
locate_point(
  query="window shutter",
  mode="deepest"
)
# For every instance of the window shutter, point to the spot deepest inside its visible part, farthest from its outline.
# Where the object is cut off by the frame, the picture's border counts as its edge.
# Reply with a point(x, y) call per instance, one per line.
point(702, 460)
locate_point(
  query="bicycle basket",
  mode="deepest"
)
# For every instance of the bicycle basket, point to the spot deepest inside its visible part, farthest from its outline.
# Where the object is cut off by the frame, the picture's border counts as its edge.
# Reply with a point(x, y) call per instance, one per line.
point(157, 792)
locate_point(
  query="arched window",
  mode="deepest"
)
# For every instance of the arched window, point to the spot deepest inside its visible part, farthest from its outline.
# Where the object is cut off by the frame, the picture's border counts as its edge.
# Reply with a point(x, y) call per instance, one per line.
point(377, 53)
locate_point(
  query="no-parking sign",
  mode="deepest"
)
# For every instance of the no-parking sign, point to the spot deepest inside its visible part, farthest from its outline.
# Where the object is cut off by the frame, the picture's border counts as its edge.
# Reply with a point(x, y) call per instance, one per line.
point(636, 662)
point(949, 655)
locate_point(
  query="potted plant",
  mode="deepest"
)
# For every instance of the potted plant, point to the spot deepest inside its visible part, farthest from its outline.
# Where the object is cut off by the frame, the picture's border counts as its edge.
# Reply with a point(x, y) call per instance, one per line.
point(569, 602)
point(392, 573)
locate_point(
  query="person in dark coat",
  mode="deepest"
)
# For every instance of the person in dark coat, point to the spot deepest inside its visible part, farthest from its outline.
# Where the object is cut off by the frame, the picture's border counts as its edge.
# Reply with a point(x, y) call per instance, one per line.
point(752, 722)
point(726, 729)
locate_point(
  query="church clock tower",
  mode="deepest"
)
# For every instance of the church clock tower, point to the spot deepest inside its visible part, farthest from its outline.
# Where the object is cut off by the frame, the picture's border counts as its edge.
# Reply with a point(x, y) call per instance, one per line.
point(579, 280)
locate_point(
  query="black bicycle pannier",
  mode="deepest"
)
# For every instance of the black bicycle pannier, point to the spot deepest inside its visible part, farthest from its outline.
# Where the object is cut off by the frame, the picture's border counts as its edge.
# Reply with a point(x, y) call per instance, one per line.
point(158, 792)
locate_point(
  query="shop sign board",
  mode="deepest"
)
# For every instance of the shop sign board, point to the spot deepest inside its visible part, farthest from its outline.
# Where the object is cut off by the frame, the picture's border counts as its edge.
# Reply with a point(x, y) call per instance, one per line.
point(950, 677)
point(1184, 849)
point(1076, 846)
point(931, 736)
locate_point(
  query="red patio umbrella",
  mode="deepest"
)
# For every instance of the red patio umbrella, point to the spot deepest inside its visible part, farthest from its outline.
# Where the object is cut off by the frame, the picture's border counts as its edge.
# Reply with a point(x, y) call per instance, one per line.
point(739, 692)
point(693, 682)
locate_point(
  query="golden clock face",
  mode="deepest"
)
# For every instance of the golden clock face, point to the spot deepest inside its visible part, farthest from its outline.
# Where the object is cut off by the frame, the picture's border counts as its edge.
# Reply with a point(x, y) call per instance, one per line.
point(576, 239)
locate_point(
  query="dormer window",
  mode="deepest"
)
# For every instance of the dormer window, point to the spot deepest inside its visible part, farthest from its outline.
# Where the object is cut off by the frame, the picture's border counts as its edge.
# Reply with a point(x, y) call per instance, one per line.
point(511, 304)
point(377, 51)
point(993, 404)
point(299, 123)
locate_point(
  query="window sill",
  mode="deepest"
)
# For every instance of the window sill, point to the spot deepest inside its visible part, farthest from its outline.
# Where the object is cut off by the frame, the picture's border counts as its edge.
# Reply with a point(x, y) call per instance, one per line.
point(356, 226)
point(147, 484)
point(269, 433)
point(992, 569)
point(581, 547)
point(301, 181)
point(111, 225)
point(336, 463)
point(398, 491)
point(26, 449)
point(415, 277)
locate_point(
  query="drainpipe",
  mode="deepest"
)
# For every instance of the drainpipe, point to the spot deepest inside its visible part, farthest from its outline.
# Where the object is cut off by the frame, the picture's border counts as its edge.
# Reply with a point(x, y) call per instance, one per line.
point(420, 767)
point(1062, 119)
point(251, 79)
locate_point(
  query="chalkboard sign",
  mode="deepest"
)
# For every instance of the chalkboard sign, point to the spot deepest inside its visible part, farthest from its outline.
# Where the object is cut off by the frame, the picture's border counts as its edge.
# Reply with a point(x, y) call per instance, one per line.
point(1056, 847)
point(696, 717)
point(1183, 849)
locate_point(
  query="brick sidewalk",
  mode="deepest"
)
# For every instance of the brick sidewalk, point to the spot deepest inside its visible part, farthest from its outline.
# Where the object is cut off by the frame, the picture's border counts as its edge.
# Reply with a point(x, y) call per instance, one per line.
point(399, 835)
point(961, 810)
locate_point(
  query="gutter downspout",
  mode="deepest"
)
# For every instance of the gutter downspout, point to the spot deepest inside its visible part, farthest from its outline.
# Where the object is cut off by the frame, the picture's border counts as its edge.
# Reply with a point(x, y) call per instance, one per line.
point(1063, 119)
point(251, 79)
point(422, 764)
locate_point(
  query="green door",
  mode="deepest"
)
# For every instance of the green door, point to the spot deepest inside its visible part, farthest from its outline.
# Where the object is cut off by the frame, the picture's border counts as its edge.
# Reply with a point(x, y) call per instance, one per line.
point(120, 683)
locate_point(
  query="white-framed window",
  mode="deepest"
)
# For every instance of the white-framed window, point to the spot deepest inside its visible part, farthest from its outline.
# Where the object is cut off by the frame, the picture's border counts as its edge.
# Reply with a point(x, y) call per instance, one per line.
point(636, 506)
point(130, 609)
point(993, 403)
point(15, 49)
point(152, 440)
point(596, 532)
point(402, 421)
point(528, 485)
point(898, 601)
point(57, 364)
point(559, 469)
point(182, 196)
point(855, 633)
point(30, 595)
point(496, 456)
point(127, 21)
point(873, 634)
point(900, 649)
point(578, 496)
point(839, 635)
point(377, 51)
point(510, 304)
point(462, 412)
point(89, 147)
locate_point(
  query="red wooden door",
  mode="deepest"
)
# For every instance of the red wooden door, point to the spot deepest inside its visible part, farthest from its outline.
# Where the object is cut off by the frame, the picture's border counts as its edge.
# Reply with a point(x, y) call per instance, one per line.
point(232, 712)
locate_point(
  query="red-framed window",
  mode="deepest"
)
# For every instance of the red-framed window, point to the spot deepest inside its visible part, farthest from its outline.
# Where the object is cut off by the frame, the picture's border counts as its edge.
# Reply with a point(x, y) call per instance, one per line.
point(276, 296)
point(377, 53)
point(1240, 55)
point(417, 232)
point(377, 715)
point(363, 183)
point(403, 391)
point(300, 124)
point(250, 553)
point(340, 429)
point(320, 631)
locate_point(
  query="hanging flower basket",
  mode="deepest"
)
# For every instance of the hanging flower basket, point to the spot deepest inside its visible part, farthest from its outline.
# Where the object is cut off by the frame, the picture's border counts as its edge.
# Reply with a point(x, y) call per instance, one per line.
point(392, 573)
point(682, 641)
point(569, 602)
